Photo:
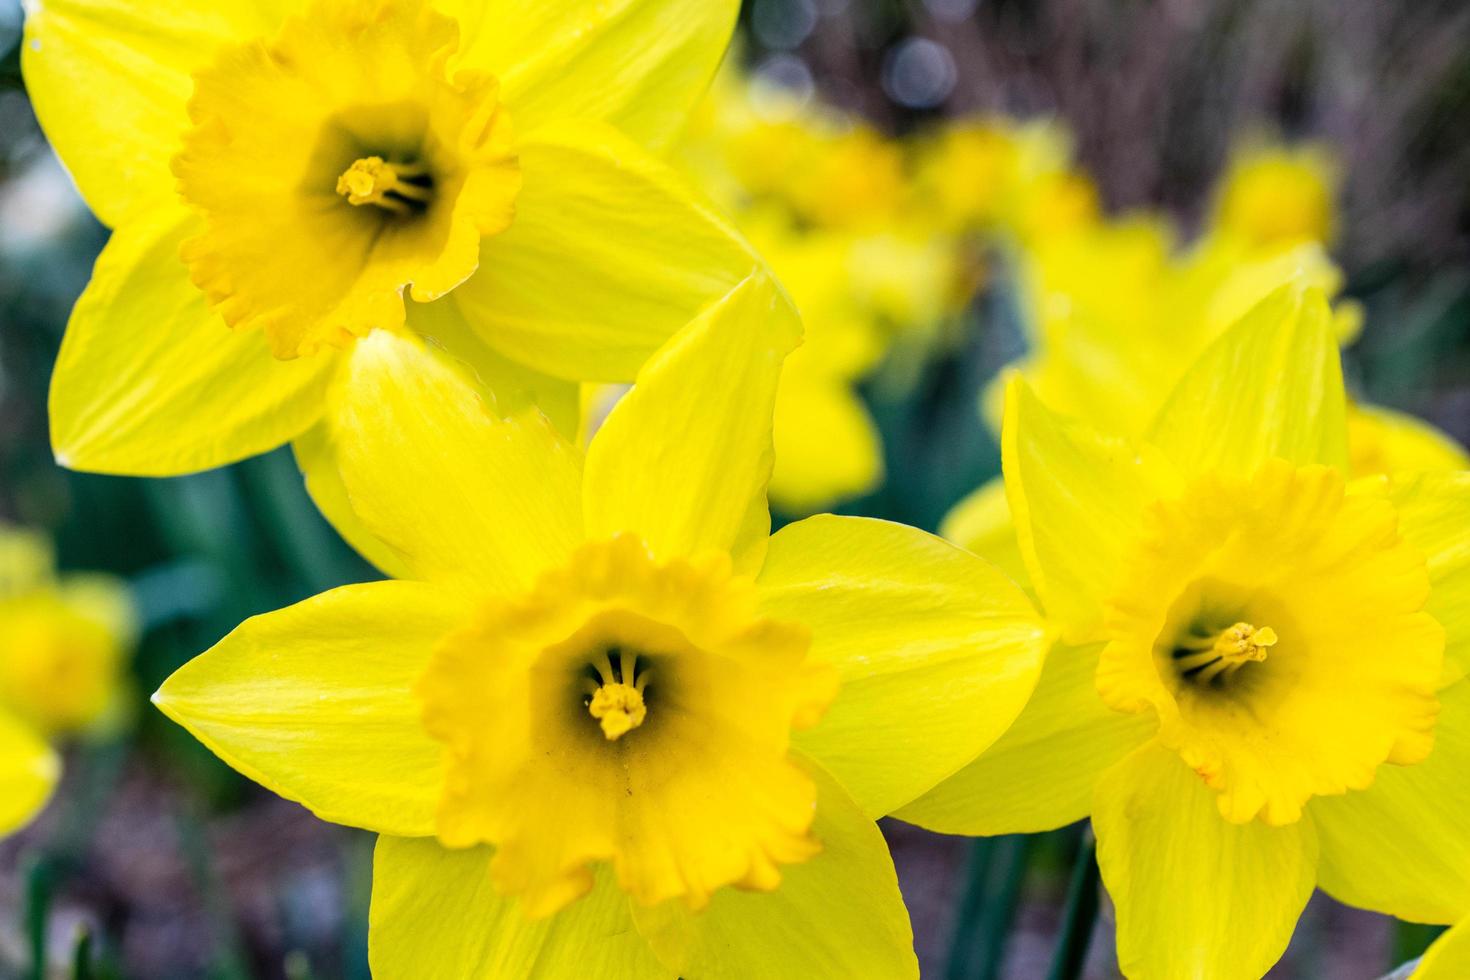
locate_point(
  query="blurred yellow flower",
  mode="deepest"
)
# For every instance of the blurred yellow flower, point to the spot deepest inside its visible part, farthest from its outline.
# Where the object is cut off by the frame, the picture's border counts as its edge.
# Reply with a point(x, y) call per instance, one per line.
point(1274, 194)
point(598, 729)
point(330, 167)
point(63, 642)
point(1256, 657)
point(838, 211)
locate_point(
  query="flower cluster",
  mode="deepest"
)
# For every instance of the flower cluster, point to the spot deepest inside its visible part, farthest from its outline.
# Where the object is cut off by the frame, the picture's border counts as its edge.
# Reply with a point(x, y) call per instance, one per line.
point(603, 720)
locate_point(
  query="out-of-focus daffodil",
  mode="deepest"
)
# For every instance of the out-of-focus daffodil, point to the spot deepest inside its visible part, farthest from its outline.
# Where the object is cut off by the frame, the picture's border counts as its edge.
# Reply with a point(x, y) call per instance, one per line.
point(834, 206)
point(1257, 655)
point(308, 171)
point(63, 641)
point(1275, 194)
point(613, 727)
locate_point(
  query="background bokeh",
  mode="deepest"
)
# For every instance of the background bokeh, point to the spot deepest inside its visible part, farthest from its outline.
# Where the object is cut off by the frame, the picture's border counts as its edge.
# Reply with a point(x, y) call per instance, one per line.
point(180, 868)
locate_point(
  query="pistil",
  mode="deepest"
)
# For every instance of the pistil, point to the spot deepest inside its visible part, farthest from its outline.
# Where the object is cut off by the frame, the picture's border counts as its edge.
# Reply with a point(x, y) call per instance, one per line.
point(1202, 658)
point(396, 187)
point(617, 703)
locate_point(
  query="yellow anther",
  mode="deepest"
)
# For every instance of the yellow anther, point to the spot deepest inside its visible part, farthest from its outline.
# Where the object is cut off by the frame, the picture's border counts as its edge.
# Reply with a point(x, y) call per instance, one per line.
point(1205, 658)
point(619, 708)
point(373, 180)
point(1243, 642)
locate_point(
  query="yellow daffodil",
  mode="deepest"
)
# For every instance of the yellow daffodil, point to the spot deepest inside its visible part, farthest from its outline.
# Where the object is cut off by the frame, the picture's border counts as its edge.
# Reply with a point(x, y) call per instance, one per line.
point(62, 644)
point(285, 177)
point(1260, 685)
point(612, 727)
point(1274, 194)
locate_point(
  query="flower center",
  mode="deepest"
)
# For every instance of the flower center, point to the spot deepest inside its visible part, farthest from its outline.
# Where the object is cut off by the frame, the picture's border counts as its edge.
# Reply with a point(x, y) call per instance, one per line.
point(1202, 657)
point(537, 699)
point(615, 697)
point(401, 188)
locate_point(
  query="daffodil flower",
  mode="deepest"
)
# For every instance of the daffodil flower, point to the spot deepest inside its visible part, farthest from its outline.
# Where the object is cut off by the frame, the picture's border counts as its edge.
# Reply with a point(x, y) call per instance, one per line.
point(285, 177)
point(62, 643)
point(613, 727)
point(1258, 655)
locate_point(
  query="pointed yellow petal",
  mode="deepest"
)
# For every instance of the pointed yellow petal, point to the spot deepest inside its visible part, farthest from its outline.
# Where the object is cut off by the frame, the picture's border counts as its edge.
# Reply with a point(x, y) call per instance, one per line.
point(837, 915)
point(937, 651)
point(1077, 499)
point(982, 523)
point(1434, 512)
point(109, 81)
point(1041, 773)
point(1270, 386)
point(149, 382)
point(28, 773)
point(1196, 896)
point(639, 64)
point(609, 255)
point(435, 914)
point(684, 457)
point(1400, 846)
point(455, 491)
point(1449, 957)
point(315, 703)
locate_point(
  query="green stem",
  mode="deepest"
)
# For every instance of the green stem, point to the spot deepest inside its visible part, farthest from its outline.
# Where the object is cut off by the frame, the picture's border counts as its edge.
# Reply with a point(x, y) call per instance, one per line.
point(971, 904)
point(993, 886)
point(81, 956)
point(38, 913)
point(995, 927)
point(1080, 915)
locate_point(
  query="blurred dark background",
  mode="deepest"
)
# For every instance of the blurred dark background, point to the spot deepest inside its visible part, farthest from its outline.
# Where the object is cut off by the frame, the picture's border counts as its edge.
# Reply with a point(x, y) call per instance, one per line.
point(182, 869)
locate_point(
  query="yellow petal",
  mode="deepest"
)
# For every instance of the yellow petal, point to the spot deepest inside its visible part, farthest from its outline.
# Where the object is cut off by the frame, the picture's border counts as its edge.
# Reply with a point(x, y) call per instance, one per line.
point(827, 445)
point(1400, 846)
point(937, 651)
point(510, 387)
point(982, 523)
point(1041, 773)
point(1433, 512)
point(1270, 386)
point(639, 64)
point(314, 702)
point(609, 255)
point(455, 491)
point(109, 81)
point(149, 382)
point(683, 459)
point(1196, 896)
point(1449, 957)
point(1381, 440)
point(28, 773)
point(317, 452)
point(435, 914)
point(838, 915)
point(1077, 499)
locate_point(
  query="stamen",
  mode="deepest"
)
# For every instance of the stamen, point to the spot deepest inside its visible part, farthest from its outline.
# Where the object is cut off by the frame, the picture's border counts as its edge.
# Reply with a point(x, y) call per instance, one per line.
point(619, 708)
point(396, 187)
point(1203, 658)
